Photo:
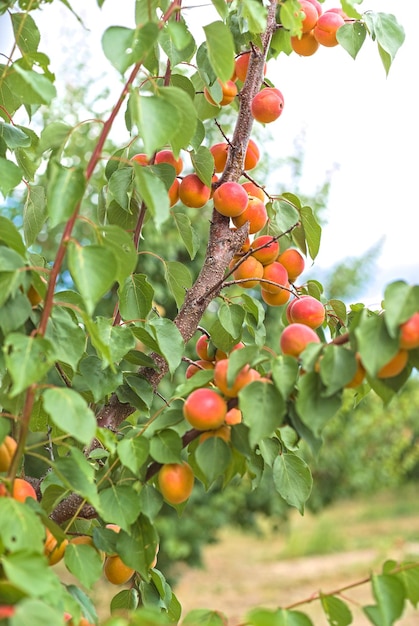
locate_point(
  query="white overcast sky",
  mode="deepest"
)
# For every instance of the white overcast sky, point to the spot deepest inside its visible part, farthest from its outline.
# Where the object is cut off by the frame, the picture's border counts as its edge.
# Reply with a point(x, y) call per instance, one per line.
point(352, 115)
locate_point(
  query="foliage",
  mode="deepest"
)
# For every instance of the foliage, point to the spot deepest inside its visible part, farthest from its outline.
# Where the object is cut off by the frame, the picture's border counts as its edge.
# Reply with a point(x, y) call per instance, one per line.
point(92, 351)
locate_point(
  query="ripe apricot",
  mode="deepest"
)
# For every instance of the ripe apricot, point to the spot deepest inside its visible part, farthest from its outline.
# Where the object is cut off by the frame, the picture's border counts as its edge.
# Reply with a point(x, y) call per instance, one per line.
point(294, 263)
point(254, 190)
point(267, 105)
point(295, 338)
point(193, 192)
point(307, 310)
point(116, 571)
point(229, 92)
point(197, 366)
point(359, 375)
point(275, 299)
point(269, 252)
point(52, 549)
point(230, 199)
point(21, 490)
point(317, 6)
point(223, 433)
point(7, 610)
point(204, 349)
point(167, 156)
point(245, 376)
point(306, 45)
point(255, 213)
point(176, 481)
point(219, 152)
point(326, 28)
point(174, 192)
point(204, 409)
point(310, 16)
point(234, 416)
point(241, 66)
point(250, 269)
point(277, 274)
point(252, 155)
point(7, 451)
point(409, 333)
point(141, 158)
point(395, 365)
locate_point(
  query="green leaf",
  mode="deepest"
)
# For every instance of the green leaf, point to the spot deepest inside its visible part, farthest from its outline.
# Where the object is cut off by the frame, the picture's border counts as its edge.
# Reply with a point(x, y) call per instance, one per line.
point(166, 446)
point(312, 231)
point(119, 504)
point(336, 611)
point(213, 457)
point(186, 112)
point(133, 452)
point(120, 187)
point(124, 47)
point(389, 595)
point(375, 345)
point(78, 474)
point(70, 412)
point(312, 406)
point(169, 340)
point(66, 336)
point(203, 164)
point(143, 390)
point(36, 613)
point(263, 409)
point(157, 120)
point(389, 35)
point(351, 37)
point(285, 374)
point(30, 573)
point(135, 297)
point(292, 479)
point(10, 236)
point(84, 562)
point(231, 318)
point(410, 579)
point(204, 617)
point(220, 46)
point(32, 87)
point(20, 528)
point(401, 300)
point(119, 339)
point(154, 193)
point(337, 367)
point(127, 599)
point(27, 35)
point(189, 235)
point(28, 359)
point(178, 279)
point(283, 215)
point(255, 15)
point(101, 382)
point(138, 549)
point(94, 271)
point(12, 135)
point(280, 617)
point(14, 312)
point(54, 136)
point(10, 176)
point(65, 190)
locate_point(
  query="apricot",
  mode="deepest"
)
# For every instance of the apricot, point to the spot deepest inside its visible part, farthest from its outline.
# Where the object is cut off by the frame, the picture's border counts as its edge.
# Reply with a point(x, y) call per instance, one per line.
point(326, 28)
point(88, 540)
point(307, 310)
point(409, 333)
point(252, 156)
point(167, 156)
point(203, 348)
point(234, 416)
point(267, 105)
point(395, 365)
point(219, 152)
point(199, 365)
point(276, 273)
point(269, 252)
point(173, 192)
point(245, 376)
point(241, 66)
point(229, 92)
point(255, 213)
point(317, 6)
point(21, 490)
point(359, 375)
point(7, 451)
point(310, 16)
point(275, 299)
point(294, 263)
point(141, 158)
point(193, 192)
point(204, 409)
point(7, 610)
point(306, 45)
point(53, 550)
point(254, 190)
point(250, 269)
point(223, 433)
point(295, 338)
point(176, 481)
point(116, 571)
point(230, 199)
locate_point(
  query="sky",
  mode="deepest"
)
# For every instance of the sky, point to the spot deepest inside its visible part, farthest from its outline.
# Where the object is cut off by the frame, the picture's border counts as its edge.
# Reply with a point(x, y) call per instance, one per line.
point(357, 123)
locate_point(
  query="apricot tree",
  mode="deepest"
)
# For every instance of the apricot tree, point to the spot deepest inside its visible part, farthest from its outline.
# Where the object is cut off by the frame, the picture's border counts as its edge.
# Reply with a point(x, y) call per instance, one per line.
point(108, 404)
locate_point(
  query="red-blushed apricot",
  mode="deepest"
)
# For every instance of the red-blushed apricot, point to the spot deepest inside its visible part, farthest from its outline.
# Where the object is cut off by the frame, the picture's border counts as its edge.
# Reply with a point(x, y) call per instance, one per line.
point(310, 16)
point(295, 338)
point(229, 92)
point(255, 213)
point(167, 156)
point(339, 11)
point(53, 550)
point(269, 252)
point(249, 271)
point(224, 433)
point(317, 6)
point(197, 366)
point(306, 45)
point(254, 190)
point(219, 152)
point(395, 365)
point(7, 450)
point(245, 376)
point(174, 192)
point(204, 409)
point(309, 311)
point(21, 490)
point(241, 66)
point(7, 610)
point(279, 298)
point(359, 375)
point(202, 348)
point(234, 416)
point(277, 274)
point(141, 159)
point(116, 571)
point(176, 481)
point(230, 199)
point(326, 28)
point(193, 192)
point(267, 105)
point(409, 333)
point(252, 156)
point(294, 263)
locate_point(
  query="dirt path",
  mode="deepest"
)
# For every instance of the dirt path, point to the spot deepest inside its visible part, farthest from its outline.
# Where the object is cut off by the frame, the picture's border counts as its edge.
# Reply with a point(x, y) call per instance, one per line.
point(242, 572)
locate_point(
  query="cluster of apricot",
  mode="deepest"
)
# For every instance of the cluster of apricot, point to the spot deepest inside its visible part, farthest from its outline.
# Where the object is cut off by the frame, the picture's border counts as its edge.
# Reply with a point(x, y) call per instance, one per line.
point(318, 28)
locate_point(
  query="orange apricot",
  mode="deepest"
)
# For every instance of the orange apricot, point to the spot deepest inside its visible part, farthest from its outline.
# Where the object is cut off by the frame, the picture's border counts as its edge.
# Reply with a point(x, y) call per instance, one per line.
point(254, 190)
point(197, 366)
point(53, 550)
point(245, 376)
point(230, 199)
point(250, 269)
point(275, 299)
point(7, 451)
point(234, 416)
point(359, 375)
point(409, 333)
point(252, 155)
point(306, 45)
point(219, 152)
point(295, 338)
point(307, 310)
point(204, 409)
point(294, 263)
point(193, 192)
point(229, 92)
point(269, 252)
point(395, 365)
point(176, 481)
point(223, 433)
point(116, 571)
point(277, 274)
point(173, 192)
point(255, 213)
point(310, 16)
point(326, 28)
point(141, 159)
point(241, 66)
point(267, 105)
point(167, 156)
